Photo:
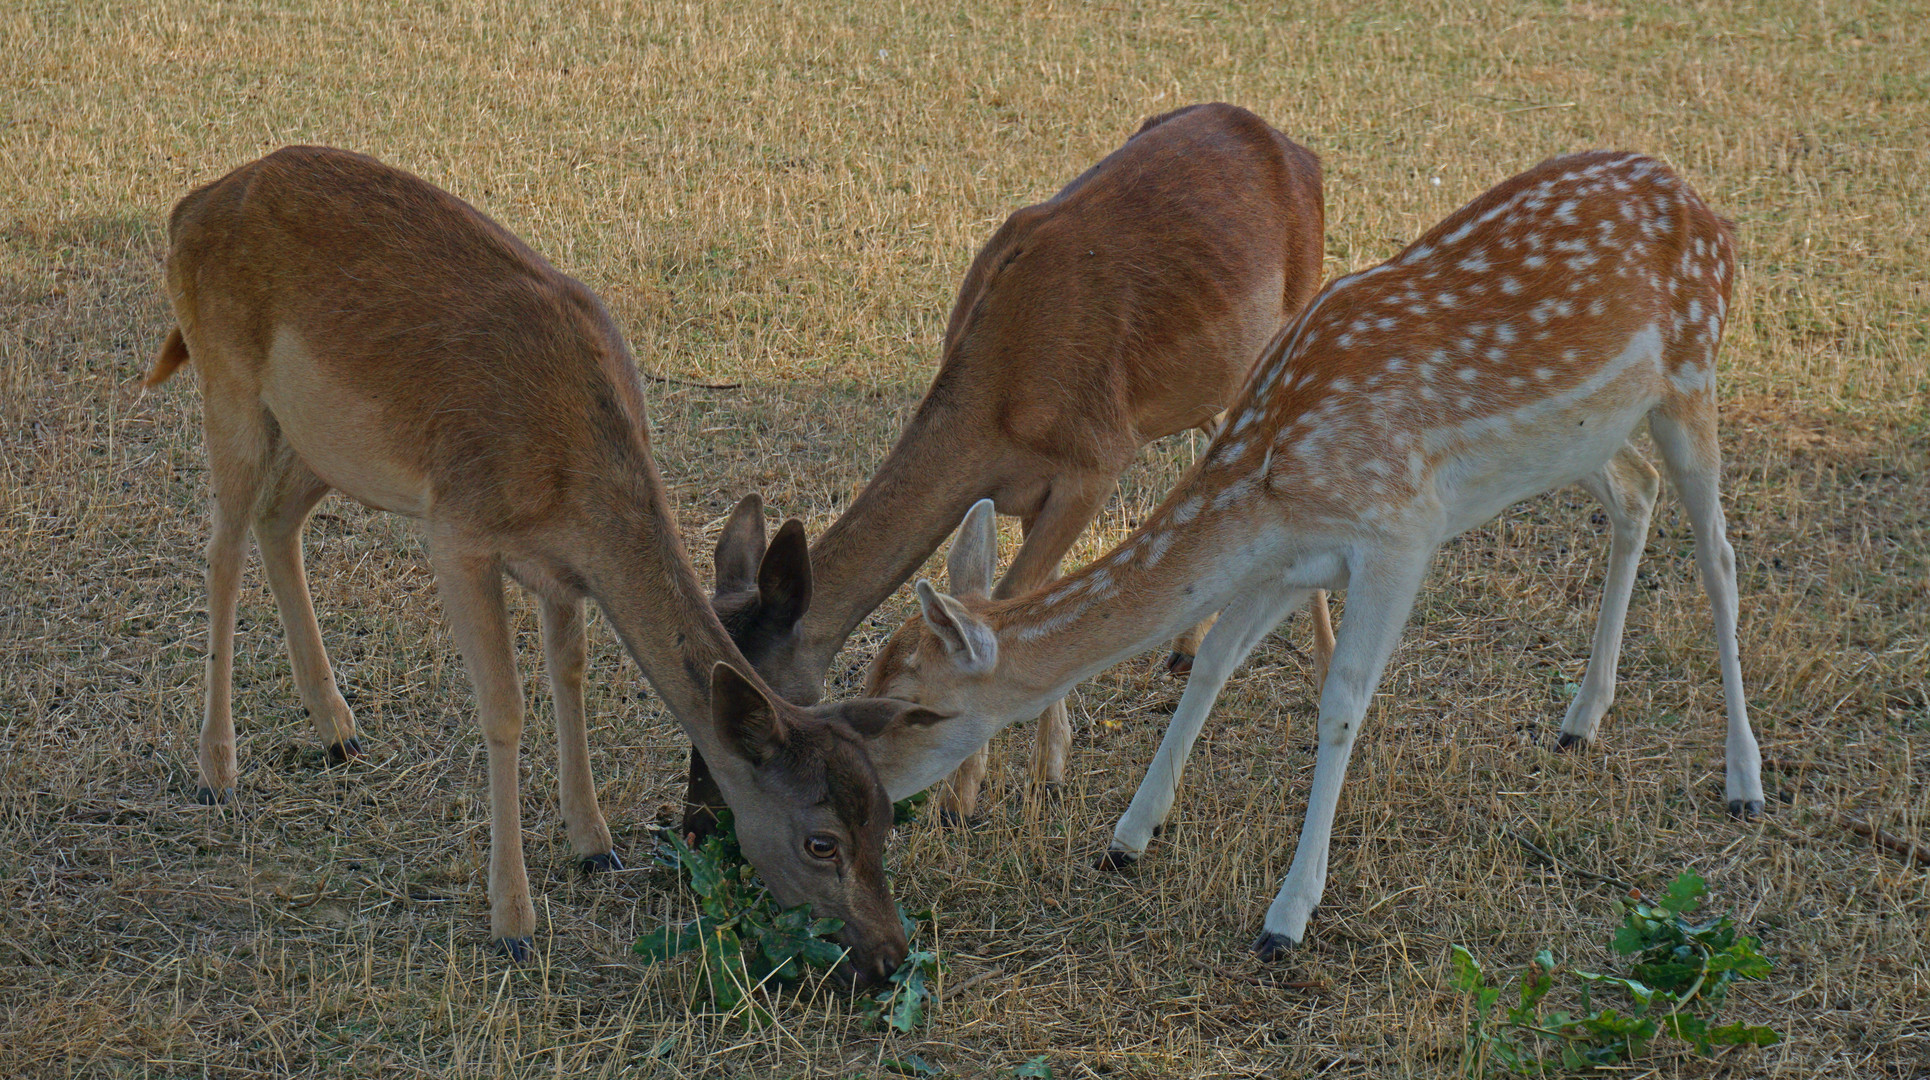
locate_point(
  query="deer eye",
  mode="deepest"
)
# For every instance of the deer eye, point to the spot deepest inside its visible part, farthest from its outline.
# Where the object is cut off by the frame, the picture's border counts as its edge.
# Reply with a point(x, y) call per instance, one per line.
point(821, 846)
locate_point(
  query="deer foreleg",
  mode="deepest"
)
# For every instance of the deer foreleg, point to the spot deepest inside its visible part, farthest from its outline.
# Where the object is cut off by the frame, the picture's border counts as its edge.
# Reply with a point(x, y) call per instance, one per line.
point(1379, 596)
point(1240, 627)
point(471, 586)
point(566, 655)
point(1069, 507)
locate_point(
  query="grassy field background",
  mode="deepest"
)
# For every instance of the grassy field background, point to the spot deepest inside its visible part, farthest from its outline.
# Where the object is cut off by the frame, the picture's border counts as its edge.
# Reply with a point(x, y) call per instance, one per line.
point(785, 195)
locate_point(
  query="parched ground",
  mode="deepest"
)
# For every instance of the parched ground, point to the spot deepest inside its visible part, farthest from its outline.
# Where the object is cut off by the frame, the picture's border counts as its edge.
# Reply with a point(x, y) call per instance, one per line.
point(784, 195)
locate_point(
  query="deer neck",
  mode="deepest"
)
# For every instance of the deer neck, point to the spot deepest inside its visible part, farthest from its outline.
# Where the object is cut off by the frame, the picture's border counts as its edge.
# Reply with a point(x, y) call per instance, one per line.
point(629, 557)
point(946, 459)
point(1163, 579)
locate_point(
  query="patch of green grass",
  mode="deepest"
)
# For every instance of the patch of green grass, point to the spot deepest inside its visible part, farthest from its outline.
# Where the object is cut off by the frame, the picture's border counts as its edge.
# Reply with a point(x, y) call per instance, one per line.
point(1679, 981)
point(749, 944)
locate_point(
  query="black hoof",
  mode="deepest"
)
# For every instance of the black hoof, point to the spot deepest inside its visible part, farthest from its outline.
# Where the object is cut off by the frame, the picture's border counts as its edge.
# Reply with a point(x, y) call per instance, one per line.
point(1570, 742)
point(1115, 860)
point(1747, 811)
point(1270, 947)
point(516, 949)
point(1049, 791)
point(208, 796)
point(1179, 664)
point(949, 818)
point(604, 863)
point(343, 752)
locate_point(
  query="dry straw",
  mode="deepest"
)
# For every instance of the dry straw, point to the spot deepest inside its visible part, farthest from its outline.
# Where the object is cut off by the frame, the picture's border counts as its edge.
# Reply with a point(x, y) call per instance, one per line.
point(784, 195)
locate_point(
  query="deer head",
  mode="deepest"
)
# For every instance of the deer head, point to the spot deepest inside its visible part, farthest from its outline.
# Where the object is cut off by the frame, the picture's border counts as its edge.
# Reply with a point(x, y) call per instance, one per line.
point(812, 815)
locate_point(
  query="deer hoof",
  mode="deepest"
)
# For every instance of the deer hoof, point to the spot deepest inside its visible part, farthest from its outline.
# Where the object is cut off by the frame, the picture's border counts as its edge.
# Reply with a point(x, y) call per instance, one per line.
point(1049, 792)
point(1570, 742)
point(1270, 946)
point(950, 818)
point(1747, 810)
point(1179, 664)
point(516, 949)
point(607, 862)
point(208, 796)
point(1115, 860)
point(343, 752)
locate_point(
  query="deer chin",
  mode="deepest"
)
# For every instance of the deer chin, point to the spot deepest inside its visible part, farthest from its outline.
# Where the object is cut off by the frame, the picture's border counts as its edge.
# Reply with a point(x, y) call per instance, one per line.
point(871, 969)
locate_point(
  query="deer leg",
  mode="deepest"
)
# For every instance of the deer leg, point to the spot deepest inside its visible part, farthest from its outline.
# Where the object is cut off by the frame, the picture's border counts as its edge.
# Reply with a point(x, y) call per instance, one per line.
point(1685, 433)
point(566, 650)
point(1626, 486)
point(1069, 507)
point(1180, 661)
point(1380, 595)
point(471, 586)
point(1187, 646)
point(238, 442)
point(1323, 638)
point(1240, 627)
point(292, 494)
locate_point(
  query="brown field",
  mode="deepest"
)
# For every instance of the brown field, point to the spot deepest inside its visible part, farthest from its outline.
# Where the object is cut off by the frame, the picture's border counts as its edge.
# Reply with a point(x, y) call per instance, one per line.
point(785, 196)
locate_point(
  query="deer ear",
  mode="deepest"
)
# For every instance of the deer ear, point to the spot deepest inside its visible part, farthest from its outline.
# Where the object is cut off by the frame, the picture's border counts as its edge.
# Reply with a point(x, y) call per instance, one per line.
point(975, 552)
point(784, 577)
point(743, 714)
point(968, 641)
point(870, 716)
point(741, 545)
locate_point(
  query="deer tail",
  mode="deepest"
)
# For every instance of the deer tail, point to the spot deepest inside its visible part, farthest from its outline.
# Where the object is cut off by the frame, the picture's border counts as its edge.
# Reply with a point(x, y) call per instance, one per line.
point(174, 353)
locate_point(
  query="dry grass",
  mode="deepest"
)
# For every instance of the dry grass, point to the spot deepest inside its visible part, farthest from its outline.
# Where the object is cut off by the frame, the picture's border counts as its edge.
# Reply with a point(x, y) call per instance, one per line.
point(786, 195)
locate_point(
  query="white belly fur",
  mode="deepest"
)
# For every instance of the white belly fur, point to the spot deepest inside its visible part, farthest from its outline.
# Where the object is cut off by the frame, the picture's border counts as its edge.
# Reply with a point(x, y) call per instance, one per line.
point(338, 433)
point(1551, 443)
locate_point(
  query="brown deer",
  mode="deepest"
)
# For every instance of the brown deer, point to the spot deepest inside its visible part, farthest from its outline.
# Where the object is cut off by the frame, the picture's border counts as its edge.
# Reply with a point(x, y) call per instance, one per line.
point(1513, 349)
point(358, 329)
point(1125, 308)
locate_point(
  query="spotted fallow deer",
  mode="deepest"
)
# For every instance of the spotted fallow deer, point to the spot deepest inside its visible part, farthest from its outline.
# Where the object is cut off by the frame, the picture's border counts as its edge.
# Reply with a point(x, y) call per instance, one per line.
point(1125, 308)
point(1513, 349)
point(358, 329)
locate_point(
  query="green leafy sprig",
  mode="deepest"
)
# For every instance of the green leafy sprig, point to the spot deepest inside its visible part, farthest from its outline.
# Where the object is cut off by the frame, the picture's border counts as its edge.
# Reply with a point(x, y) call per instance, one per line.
point(748, 942)
point(1680, 979)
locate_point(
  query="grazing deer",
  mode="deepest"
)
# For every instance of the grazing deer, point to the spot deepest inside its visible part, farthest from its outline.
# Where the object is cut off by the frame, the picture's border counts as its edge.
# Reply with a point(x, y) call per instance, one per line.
point(1124, 309)
point(356, 328)
point(1513, 349)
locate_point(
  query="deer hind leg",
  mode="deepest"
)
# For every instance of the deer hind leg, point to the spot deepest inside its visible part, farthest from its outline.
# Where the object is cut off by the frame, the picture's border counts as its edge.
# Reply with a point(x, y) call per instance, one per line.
point(291, 494)
point(566, 649)
point(1626, 486)
point(1380, 595)
point(1685, 433)
point(1240, 627)
point(471, 586)
point(239, 441)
